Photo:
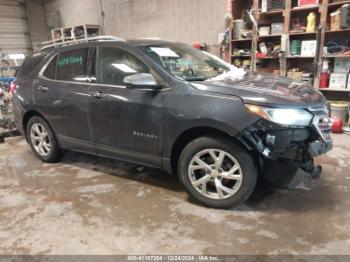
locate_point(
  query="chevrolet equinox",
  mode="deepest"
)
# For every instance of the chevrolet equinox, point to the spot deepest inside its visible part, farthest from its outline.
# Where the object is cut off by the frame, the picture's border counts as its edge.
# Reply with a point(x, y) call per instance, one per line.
point(166, 105)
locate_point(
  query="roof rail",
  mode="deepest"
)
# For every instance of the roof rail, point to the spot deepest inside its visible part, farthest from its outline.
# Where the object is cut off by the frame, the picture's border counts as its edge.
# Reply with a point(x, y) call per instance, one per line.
point(55, 43)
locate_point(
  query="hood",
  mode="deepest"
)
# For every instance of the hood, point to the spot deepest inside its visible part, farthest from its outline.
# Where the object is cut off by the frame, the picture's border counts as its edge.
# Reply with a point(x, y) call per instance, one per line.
point(265, 90)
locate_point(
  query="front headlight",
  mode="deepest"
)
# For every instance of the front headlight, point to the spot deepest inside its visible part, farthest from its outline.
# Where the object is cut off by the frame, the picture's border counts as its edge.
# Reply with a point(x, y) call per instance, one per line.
point(283, 116)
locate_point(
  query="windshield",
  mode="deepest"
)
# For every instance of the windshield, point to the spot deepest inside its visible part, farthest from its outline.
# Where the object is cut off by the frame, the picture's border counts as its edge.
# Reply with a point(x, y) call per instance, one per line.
point(185, 62)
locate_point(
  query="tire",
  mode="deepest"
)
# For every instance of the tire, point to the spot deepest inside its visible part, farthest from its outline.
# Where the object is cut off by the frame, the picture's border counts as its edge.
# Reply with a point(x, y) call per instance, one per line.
point(49, 153)
point(227, 186)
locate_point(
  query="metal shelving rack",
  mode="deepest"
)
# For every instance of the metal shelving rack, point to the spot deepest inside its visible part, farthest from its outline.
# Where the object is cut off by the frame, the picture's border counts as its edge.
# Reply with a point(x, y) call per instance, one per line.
point(323, 11)
point(66, 34)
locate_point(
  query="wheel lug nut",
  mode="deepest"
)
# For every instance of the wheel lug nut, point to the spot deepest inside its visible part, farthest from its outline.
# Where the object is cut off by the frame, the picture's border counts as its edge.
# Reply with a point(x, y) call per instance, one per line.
point(219, 177)
point(213, 167)
point(208, 172)
point(220, 171)
point(212, 178)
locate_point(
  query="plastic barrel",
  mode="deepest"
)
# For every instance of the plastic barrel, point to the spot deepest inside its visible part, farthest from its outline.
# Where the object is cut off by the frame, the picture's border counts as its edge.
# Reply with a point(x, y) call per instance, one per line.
point(340, 110)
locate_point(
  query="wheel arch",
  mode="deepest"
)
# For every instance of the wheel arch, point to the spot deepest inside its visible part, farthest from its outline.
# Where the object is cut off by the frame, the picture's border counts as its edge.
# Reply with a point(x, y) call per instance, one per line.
point(193, 133)
point(27, 116)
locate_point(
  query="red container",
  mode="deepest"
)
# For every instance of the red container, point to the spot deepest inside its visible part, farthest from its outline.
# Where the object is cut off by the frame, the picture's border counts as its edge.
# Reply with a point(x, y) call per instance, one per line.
point(324, 80)
point(308, 2)
point(337, 125)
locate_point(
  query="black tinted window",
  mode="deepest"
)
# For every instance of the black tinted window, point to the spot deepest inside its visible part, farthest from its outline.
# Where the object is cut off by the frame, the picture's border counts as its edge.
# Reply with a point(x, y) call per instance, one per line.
point(30, 64)
point(114, 64)
point(71, 65)
point(50, 71)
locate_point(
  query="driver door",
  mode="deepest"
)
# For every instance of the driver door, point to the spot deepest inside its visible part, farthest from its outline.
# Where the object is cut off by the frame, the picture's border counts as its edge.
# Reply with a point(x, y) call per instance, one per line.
point(126, 123)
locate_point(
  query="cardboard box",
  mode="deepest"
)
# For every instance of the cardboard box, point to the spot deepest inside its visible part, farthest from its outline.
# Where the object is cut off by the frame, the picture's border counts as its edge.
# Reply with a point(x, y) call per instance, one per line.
point(264, 30)
point(308, 48)
point(338, 80)
point(335, 20)
point(295, 75)
point(342, 65)
point(276, 28)
point(276, 72)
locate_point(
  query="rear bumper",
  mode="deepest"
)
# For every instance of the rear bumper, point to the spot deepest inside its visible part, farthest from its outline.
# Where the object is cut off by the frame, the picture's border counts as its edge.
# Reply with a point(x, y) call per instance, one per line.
point(18, 114)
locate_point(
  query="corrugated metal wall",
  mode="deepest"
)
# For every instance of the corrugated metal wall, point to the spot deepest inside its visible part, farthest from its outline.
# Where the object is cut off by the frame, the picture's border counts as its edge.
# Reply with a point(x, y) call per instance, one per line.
point(14, 36)
point(186, 21)
point(181, 20)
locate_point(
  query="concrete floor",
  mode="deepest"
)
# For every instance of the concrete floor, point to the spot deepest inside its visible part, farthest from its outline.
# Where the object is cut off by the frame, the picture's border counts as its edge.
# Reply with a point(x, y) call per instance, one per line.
point(86, 205)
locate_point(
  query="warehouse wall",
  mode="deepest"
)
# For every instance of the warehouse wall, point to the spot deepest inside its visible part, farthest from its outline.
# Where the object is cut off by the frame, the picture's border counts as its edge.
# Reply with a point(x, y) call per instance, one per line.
point(181, 20)
point(66, 13)
point(14, 34)
point(36, 22)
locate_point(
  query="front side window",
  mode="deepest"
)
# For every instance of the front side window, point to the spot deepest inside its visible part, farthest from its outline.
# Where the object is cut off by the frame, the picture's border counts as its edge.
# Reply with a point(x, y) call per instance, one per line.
point(71, 65)
point(185, 62)
point(114, 64)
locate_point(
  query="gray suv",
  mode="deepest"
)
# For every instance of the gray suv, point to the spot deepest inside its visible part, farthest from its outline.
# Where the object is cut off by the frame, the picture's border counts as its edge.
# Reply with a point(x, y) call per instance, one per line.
point(166, 105)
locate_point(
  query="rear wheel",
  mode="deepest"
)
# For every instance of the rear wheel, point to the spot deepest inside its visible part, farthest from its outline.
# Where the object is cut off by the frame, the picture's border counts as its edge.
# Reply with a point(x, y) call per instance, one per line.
point(42, 140)
point(217, 172)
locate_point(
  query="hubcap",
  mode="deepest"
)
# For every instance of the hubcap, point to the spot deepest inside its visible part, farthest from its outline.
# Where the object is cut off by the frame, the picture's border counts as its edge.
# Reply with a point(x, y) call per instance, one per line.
point(215, 174)
point(40, 139)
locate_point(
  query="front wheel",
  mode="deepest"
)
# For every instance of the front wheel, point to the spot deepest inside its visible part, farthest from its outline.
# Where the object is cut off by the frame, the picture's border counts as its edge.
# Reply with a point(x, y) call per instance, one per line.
point(217, 172)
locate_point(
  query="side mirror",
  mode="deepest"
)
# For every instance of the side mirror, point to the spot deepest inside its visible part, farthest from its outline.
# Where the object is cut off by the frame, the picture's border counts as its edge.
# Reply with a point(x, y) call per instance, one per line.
point(142, 80)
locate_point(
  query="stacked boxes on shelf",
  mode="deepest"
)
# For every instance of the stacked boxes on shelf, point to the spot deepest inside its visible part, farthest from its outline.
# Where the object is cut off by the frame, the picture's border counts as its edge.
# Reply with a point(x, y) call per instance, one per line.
point(340, 75)
point(286, 40)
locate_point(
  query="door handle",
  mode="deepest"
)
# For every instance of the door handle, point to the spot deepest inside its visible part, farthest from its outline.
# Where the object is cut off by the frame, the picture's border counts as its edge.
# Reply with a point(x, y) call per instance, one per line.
point(43, 88)
point(98, 95)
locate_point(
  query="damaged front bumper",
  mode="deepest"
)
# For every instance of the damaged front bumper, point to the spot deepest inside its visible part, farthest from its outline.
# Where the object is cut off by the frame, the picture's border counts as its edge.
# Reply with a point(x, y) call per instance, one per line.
point(286, 153)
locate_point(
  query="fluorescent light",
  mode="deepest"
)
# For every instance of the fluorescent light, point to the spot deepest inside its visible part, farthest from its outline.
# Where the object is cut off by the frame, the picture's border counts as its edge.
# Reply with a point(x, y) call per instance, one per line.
point(124, 68)
point(16, 56)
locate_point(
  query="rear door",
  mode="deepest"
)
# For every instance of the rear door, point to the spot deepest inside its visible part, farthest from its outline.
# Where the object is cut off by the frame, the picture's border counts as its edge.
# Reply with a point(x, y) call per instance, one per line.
point(126, 123)
point(62, 96)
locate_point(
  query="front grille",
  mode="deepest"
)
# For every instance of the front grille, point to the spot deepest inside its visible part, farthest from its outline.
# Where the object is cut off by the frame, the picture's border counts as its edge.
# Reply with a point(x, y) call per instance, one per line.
point(323, 126)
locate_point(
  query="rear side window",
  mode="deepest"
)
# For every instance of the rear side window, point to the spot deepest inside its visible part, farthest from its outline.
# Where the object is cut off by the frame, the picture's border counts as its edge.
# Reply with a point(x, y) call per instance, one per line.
point(30, 64)
point(114, 64)
point(71, 65)
point(50, 71)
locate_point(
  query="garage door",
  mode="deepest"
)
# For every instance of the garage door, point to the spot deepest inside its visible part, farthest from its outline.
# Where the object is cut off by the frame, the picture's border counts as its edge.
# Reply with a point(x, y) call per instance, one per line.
point(14, 37)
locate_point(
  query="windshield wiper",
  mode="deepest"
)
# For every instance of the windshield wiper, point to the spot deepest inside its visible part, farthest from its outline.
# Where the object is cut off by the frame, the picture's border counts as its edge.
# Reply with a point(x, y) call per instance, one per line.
point(196, 79)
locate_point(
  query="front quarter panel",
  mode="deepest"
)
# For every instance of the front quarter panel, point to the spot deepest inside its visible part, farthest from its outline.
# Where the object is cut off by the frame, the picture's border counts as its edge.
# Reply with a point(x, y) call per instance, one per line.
point(187, 108)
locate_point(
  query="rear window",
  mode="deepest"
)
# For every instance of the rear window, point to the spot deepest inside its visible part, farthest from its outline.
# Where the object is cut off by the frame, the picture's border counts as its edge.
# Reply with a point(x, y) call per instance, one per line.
point(71, 65)
point(30, 64)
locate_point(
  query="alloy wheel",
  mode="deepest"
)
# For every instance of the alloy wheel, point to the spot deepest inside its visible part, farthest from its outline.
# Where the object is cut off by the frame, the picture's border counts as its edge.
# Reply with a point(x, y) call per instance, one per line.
point(40, 139)
point(215, 174)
